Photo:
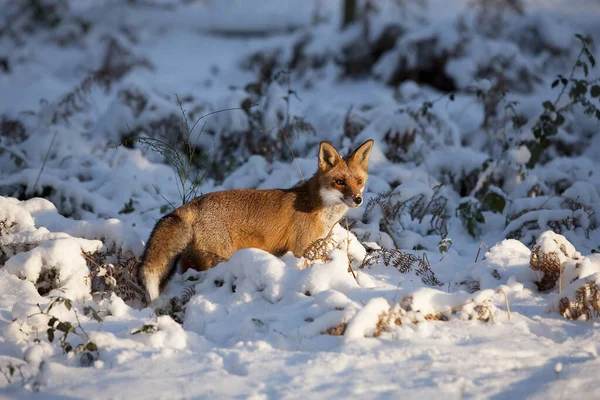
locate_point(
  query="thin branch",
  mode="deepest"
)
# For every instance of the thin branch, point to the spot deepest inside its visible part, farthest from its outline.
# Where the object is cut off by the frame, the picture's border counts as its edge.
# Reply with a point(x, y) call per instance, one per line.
point(44, 162)
point(285, 139)
point(214, 112)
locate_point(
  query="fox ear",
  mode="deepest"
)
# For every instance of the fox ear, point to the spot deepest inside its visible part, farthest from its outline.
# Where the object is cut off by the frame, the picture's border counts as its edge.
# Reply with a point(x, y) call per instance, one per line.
point(360, 156)
point(328, 156)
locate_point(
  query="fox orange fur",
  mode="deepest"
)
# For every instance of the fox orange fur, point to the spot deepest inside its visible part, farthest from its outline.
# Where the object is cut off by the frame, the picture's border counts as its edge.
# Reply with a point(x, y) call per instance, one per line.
point(210, 228)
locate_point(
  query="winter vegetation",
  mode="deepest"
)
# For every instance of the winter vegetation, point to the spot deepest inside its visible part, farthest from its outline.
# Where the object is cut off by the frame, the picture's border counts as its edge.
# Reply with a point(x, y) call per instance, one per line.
point(471, 270)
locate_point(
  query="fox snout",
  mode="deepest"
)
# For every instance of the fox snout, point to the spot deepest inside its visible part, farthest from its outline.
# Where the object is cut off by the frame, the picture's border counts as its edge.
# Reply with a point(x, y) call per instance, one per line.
point(353, 200)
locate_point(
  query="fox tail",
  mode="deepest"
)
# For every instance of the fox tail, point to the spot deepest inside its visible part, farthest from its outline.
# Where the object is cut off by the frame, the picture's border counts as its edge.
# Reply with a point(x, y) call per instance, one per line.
point(169, 238)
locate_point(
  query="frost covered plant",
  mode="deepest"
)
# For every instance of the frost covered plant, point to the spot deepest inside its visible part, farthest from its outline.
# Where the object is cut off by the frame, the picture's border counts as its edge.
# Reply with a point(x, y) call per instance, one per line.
point(573, 211)
point(403, 262)
point(550, 255)
point(113, 272)
point(182, 155)
point(418, 204)
point(320, 249)
point(580, 92)
point(405, 313)
point(175, 307)
point(63, 331)
point(146, 328)
point(585, 303)
point(470, 215)
point(272, 128)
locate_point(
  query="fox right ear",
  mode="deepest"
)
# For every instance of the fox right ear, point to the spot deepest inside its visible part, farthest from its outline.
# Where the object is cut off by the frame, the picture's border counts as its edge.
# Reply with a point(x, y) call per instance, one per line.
point(328, 156)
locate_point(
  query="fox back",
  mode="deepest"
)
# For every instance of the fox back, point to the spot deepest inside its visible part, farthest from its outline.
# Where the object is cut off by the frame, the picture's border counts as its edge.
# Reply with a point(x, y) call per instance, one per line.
point(210, 228)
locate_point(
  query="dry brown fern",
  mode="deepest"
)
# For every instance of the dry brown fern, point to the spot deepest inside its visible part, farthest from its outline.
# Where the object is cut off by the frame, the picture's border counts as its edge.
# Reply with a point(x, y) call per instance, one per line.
point(113, 271)
point(337, 330)
point(320, 249)
point(585, 304)
point(551, 259)
point(549, 264)
point(403, 262)
point(388, 319)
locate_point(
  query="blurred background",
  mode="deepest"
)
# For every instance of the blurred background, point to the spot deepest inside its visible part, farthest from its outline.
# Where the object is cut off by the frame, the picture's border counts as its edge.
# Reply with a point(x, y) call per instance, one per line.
point(484, 112)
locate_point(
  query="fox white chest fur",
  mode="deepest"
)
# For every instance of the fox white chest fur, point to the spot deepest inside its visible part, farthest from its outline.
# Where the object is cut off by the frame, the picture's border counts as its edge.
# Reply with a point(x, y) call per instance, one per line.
point(332, 215)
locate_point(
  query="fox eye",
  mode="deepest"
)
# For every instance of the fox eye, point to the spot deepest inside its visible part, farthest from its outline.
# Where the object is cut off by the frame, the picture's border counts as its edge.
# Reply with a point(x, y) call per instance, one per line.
point(340, 182)
point(359, 181)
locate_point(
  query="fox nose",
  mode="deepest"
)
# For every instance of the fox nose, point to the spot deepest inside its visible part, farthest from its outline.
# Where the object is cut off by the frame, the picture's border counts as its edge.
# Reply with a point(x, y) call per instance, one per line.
point(357, 200)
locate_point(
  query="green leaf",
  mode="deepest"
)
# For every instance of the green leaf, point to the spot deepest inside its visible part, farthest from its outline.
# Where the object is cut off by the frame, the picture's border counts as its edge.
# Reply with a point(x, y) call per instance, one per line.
point(580, 89)
point(65, 327)
point(494, 202)
point(595, 91)
point(91, 346)
point(52, 321)
point(68, 304)
point(479, 217)
point(548, 105)
point(559, 119)
point(50, 332)
point(555, 83)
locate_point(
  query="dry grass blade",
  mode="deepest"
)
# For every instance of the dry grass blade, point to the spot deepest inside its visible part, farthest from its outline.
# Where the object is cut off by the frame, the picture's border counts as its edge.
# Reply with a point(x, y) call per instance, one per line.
point(505, 301)
point(479, 250)
point(287, 143)
point(348, 251)
point(90, 259)
point(44, 162)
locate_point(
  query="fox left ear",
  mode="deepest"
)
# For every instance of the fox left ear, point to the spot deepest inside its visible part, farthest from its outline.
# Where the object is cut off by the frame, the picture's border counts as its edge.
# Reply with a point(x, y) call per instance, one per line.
point(328, 156)
point(360, 156)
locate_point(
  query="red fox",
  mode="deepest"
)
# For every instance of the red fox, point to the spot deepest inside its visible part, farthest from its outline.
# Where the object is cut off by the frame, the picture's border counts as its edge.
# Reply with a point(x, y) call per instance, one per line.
point(210, 228)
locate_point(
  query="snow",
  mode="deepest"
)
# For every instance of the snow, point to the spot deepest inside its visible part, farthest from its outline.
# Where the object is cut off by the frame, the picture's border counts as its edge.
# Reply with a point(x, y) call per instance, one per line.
point(76, 208)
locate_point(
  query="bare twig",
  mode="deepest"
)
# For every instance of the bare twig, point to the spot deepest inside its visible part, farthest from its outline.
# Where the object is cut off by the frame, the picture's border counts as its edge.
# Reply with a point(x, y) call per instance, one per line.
point(44, 162)
point(285, 139)
point(81, 327)
point(478, 251)
point(287, 123)
point(6, 375)
point(164, 198)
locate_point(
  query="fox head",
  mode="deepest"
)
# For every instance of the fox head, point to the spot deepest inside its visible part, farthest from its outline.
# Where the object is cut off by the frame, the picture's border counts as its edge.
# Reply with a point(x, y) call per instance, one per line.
point(342, 180)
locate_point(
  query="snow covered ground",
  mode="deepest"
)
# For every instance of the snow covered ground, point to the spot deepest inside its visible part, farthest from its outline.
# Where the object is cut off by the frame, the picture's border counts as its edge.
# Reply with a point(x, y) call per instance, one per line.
point(454, 164)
